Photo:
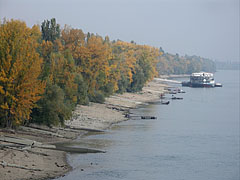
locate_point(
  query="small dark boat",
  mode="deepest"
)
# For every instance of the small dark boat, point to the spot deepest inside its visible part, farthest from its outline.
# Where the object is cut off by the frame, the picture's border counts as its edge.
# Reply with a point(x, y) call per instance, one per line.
point(139, 116)
point(172, 92)
point(176, 98)
point(148, 117)
point(165, 103)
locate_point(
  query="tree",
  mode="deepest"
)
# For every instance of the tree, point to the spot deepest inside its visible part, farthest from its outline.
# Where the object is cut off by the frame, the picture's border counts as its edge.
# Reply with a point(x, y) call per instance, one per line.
point(50, 30)
point(46, 50)
point(20, 66)
point(51, 110)
point(145, 67)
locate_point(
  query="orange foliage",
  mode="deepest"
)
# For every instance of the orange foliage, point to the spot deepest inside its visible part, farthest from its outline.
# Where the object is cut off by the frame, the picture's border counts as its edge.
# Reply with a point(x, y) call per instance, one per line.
point(19, 70)
point(62, 74)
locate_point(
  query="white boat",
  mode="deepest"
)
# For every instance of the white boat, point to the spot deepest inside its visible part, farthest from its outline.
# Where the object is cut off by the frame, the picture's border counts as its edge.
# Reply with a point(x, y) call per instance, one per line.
point(201, 79)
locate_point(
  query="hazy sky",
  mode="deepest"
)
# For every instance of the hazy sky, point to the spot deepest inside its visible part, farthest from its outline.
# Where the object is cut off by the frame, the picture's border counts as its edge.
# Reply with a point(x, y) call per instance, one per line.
point(208, 28)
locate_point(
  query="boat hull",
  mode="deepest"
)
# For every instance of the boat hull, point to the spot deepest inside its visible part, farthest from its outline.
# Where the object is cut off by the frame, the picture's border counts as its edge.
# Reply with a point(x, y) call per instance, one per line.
point(189, 84)
point(202, 85)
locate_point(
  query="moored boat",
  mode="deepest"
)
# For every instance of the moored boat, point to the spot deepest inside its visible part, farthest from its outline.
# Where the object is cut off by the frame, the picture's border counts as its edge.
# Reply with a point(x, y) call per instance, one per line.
point(176, 98)
point(218, 85)
point(165, 103)
point(201, 79)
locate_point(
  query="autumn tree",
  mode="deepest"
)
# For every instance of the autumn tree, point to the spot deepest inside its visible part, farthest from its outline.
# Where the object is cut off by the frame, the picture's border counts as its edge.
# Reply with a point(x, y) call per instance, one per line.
point(145, 67)
point(20, 66)
point(124, 55)
point(65, 86)
point(92, 57)
point(60, 95)
point(137, 65)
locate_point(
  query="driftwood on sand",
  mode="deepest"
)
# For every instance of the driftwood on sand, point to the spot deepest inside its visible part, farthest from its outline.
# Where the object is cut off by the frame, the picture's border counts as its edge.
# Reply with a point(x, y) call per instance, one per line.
point(85, 129)
point(30, 129)
point(27, 142)
point(22, 149)
point(78, 150)
point(5, 164)
point(52, 129)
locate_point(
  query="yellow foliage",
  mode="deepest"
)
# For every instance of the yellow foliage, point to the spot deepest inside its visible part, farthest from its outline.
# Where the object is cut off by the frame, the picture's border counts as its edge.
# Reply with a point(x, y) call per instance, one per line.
point(46, 48)
point(20, 67)
point(4, 106)
point(62, 74)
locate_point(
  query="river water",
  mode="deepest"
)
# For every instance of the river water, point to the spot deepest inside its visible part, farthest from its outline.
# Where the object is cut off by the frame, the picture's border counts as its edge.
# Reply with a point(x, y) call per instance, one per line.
point(196, 138)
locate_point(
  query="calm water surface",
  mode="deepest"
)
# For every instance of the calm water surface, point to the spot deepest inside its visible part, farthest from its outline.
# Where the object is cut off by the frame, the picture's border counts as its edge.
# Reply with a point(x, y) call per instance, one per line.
point(196, 138)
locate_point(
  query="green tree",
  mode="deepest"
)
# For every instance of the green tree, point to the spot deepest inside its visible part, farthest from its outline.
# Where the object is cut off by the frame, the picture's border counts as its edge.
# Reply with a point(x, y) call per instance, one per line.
point(50, 30)
point(52, 109)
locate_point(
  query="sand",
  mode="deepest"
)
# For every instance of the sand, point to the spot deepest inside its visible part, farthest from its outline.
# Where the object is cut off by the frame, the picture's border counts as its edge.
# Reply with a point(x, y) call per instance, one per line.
point(51, 166)
point(102, 116)
point(94, 116)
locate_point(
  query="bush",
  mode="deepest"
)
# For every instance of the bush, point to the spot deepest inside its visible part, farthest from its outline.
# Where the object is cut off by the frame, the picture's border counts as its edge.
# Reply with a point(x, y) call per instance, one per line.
point(82, 94)
point(98, 97)
point(51, 110)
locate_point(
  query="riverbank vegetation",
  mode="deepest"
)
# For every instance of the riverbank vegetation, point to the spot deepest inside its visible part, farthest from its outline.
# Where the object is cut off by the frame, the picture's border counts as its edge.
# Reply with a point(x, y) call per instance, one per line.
point(175, 64)
point(45, 71)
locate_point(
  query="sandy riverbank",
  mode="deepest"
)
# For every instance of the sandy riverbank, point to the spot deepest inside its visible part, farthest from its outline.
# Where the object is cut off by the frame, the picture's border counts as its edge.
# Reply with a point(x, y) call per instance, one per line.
point(175, 76)
point(45, 163)
point(102, 116)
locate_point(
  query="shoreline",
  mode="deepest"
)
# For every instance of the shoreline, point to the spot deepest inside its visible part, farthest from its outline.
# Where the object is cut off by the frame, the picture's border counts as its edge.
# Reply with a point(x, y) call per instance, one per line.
point(175, 76)
point(94, 116)
point(102, 116)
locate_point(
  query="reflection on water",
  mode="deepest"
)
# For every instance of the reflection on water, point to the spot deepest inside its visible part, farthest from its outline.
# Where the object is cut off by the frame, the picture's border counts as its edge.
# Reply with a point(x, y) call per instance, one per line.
point(193, 139)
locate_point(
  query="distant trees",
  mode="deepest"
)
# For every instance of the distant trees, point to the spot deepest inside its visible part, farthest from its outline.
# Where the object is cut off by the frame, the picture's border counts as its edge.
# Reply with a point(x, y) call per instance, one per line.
point(44, 75)
point(174, 64)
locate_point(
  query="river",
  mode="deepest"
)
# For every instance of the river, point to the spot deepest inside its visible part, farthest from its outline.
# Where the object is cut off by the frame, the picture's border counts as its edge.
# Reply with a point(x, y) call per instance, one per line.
point(196, 138)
